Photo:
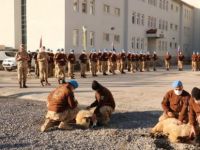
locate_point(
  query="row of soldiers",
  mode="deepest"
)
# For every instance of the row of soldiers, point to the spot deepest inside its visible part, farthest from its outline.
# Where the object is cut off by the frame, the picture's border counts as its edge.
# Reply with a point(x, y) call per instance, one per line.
point(48, 64)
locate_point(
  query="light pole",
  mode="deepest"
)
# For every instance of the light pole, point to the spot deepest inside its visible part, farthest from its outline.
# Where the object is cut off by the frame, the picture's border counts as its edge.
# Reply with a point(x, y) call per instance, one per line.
point(84, 37)
point(112, 29)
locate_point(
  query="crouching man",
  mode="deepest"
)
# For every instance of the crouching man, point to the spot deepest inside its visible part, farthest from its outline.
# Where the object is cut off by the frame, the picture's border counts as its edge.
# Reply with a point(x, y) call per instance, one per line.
point(62, 106)
point(104, 104)
point(175, 103)
point(194, 113)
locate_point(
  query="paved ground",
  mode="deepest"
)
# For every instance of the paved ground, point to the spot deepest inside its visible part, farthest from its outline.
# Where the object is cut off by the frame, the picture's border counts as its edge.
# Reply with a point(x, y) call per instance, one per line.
point(138, 97)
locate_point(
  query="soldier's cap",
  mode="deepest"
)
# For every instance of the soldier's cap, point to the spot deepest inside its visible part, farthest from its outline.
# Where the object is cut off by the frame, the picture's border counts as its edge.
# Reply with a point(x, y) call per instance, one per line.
point(48, 49)
point(62, 49)
point(196, 93)
point(58, 50)
point(177, 84)
point(73, 83)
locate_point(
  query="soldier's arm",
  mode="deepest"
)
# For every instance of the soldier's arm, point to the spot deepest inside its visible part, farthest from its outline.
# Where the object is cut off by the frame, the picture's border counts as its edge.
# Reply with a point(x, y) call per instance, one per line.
point(184, 109)
point(165, 103)
point(192, 116)
point(71, 101)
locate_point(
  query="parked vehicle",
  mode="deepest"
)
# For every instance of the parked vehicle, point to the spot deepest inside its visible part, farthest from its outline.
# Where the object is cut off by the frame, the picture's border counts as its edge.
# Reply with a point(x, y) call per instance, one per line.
point(9, 64)
point(6, 53)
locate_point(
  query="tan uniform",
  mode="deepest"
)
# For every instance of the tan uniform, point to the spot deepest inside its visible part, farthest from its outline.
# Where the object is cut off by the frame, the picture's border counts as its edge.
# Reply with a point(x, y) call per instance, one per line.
point(61, 61)
point(129, 61)
point(113, 60)
point(143, 62)
point(147, 63)
point(83, 59)
point(154, 58)
point(22, 66)
point(36, 64)
point(93, 60)
point(133, 63)
point(122, 62)
point(62, 107)
point(194, 62)
point(104, 62)
point(180, 62)
point(100, 62)
point(109, 62)
point(29, 63)
point(167, 61)
point(71, 63)
point(42, 58)
point(198, 62)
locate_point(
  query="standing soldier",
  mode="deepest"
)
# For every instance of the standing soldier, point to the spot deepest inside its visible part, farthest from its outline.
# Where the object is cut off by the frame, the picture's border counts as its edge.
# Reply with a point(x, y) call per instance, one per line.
point(167, 61)
point(140, 61)
point(29, 62)
point(50, 63)
point(137, 60)
point(42, 59)
point(155, 58)
point(194, 61)
point(93, 60)
point(36, 63)
point(143, 62)
point(122, 61)
point(109, 61)
point(181, 57)
point(61, 61)
point(105, 62)
point(22, 59)
point(71, 63)
point(100, 61)
point(129, 60)
point(148, 60)
point(83, 59)
point(113, 60)
point(133, 62)
point(198, 61)
point(55, 63)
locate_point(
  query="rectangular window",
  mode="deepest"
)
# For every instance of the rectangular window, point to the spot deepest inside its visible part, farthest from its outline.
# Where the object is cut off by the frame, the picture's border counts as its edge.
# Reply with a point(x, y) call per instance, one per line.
point(138, 43)
point(92, 38)
point(149, 21)
point(92, 7)
point(142, 19)
point(138, 18)
point(106, 37)
point(117, 12)
point(75, 37)
point(159, 45)
point(176, 27)
point(76, 5)
point(84, 6)
point(133, 17)
point(171, 26)
point(106, 8)
point(142, 44)
point(172, 7)
point(117, 38)
point(160, 24)
point(133, 43)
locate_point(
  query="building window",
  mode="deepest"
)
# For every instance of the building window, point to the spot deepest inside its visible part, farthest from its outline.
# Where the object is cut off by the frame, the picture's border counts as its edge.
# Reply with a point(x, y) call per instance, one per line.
point(92, 39)
point(117, 12)
point(172, 7)
point(159, 24)
point(134, 17)
point(75, 37)
point(92, 7)
point(171, 26)
point(142, 19)
point(159, 45)
point(176, 8)
point(133, 43)
point(142, 44)
point(76, 5)
point(138, 18)
point(117, 38)
point(160, 4)
point(176, 27)
point(106, 8)
point(149, 21)
point(106, 37)
point(138, 43)
point(170, 44)
point(175, 45)
point(167, 3)
point(84, 6)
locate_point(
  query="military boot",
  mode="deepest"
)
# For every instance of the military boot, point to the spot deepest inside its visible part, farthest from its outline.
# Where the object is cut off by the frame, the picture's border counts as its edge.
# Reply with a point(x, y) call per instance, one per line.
point(24, 85)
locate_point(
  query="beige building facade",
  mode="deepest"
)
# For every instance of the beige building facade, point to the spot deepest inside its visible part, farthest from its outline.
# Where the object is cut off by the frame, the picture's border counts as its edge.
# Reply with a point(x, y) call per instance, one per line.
point(150, 25)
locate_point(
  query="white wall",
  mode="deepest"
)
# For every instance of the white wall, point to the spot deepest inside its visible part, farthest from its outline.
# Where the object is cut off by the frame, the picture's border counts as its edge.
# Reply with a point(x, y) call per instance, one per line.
point(99, 23)
point(7, 32)
point(45, 18)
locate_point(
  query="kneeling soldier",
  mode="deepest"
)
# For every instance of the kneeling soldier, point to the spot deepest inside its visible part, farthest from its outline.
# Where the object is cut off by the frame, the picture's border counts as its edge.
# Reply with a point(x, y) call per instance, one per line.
point(104, 104)
point(62, 106)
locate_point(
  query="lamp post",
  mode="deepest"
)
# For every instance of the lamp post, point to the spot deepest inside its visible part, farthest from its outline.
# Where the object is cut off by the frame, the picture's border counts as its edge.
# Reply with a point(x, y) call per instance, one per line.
point(112, 29)
point(84, 37)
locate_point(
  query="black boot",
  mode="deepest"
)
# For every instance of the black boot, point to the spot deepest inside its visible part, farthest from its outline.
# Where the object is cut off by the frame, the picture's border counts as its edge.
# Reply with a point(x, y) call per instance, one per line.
point(20, 84)
point(24, 85)
point(41, 81)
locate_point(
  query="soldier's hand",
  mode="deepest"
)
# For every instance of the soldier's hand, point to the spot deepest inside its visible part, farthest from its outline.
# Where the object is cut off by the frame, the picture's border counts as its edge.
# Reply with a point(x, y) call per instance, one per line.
point(170, 114)
point(88, 107)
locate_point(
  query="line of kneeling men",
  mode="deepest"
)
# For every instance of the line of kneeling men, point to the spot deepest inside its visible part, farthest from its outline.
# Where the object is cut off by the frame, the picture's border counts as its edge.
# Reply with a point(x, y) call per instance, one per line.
point(63, 107)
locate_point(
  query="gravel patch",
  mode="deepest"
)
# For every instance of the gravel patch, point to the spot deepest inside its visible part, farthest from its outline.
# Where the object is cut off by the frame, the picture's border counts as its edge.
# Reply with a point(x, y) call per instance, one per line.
point(20, 121)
